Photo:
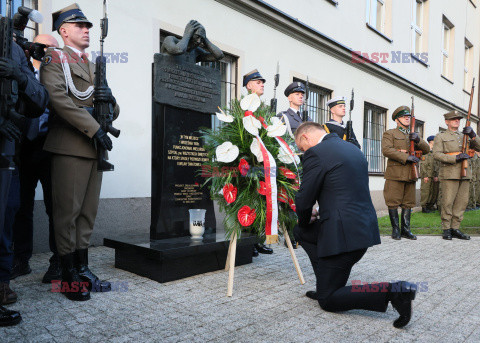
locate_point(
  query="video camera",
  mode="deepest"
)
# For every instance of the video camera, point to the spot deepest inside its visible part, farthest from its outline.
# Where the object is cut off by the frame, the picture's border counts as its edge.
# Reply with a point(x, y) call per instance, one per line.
point(20, 20)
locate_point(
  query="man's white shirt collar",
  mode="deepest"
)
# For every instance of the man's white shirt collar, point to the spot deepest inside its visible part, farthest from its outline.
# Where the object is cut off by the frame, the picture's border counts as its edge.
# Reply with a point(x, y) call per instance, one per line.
point(74, 49)
point(294, 110)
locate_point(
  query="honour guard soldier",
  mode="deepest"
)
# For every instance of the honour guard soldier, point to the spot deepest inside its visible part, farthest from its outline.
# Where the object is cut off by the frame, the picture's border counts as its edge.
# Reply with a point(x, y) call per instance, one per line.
point(430, 184)
point(336, 124)
point(73, 137)
point(399, 189)
point(254, 83)
point(448, 150)
point(295, 93)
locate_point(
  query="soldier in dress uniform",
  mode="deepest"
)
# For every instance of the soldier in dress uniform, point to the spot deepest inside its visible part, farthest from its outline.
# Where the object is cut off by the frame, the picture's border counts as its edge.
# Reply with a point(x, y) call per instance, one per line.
point(399, 189)
point(254, 83)
point(295, 93)
point(472, 197)
point(72, 139)
point(429, 175)
point(448, 150)
point(336, 124)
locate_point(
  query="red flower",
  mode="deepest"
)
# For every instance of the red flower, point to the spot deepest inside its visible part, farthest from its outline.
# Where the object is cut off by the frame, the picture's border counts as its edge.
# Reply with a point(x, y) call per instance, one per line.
point(229, 193)
point(246, 215)
point(248, 113)
point(287, 173)
point(263, 188)
point(292, 205)
point(296, 184)
point(282, 195)
point(243, 167)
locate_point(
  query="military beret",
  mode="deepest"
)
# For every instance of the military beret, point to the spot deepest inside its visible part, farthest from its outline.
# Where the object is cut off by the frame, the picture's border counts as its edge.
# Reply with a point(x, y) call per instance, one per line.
point(253, 75)
point(69, 14)
point(430, 138)
point(339, 100)
point(452, 115)
point(294, 87)
point(401, 111)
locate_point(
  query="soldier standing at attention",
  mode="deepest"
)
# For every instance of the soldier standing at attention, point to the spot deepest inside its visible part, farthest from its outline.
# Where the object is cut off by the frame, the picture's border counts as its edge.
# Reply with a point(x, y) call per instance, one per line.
point(336, 124)
point(429, 184)
point(399, 189)
point(72, 139)
point(295, 93)
point(448, 150)
point(254, 83)
point(472, 197)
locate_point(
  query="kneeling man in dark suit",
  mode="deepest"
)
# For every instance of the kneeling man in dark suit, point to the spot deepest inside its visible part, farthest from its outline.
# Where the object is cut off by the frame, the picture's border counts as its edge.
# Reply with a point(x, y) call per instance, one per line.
point(335, 173)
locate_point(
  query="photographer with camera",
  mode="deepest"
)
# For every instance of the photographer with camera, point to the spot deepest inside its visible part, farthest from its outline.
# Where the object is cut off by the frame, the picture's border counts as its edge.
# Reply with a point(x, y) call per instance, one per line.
point(34, 166)
point(21, 96)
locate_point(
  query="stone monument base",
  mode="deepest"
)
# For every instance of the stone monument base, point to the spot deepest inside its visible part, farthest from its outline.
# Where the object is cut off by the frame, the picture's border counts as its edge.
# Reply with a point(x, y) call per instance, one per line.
point(177, 258)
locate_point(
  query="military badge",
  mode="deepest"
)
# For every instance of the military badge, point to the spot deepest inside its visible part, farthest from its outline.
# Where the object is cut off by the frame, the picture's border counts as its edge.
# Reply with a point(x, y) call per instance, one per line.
point(47, 60)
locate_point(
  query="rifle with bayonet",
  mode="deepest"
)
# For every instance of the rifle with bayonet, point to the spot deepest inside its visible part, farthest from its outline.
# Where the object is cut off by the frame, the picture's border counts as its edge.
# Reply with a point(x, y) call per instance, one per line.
point(103, 110)
point(411, 150)
point(8, 93)
point(465, 137)
point(305, 103)
point(273, 102)
point(349, 127)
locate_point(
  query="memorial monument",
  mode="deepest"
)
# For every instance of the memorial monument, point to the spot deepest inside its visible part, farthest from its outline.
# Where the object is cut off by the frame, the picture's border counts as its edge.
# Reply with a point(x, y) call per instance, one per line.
point(185, 95)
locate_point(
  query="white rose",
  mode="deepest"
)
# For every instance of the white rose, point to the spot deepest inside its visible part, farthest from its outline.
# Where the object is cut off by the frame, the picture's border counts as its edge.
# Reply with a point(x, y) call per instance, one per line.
point(227, 152)
point(278, 128)
point(252, 125)
point(255, 149)
point(250, 103)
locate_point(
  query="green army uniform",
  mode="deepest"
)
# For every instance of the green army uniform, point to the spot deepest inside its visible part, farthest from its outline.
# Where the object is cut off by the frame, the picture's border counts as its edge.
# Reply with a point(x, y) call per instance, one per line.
point(455, 188)
point(473, 195)
point(399, 189)
point(68, 76)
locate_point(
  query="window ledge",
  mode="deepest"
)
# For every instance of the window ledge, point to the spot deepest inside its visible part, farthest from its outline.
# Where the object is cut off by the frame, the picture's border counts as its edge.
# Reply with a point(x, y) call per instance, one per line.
point(445, 78)
point(467, 92)
point(379, 33)
point(333, 2)
point(426, 65)
point(375, 174)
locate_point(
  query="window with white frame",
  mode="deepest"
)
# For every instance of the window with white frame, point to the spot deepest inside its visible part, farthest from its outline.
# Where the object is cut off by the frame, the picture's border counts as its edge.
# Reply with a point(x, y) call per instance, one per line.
point(374, 125)
point(376, 14)
point(448, 36)
point(468, 66)
point(419, 26)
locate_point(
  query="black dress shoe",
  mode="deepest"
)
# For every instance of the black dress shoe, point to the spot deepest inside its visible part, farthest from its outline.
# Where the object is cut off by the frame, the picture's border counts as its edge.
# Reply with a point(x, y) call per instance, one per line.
point(263, 249)
point(311, 295)
point(254, 252)
point(54, 271)
point(9, 318)
point(447, 234)
point(459, 234)
point(7, 295)
point(20, 268)
point(401, 295)
point(94, 283)
point(72, 286)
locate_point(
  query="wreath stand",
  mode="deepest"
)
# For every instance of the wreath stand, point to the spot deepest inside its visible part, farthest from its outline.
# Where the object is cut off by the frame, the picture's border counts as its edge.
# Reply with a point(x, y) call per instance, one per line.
point(230, 263)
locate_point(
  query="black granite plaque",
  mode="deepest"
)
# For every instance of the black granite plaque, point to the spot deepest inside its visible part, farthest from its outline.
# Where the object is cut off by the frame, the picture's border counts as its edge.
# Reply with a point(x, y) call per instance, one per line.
point(177, 157)
point(179, 82)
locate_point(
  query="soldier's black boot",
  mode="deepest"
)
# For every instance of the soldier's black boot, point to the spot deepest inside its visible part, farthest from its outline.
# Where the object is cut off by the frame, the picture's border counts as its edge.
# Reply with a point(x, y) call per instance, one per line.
point(447, 234)
point(394, 221)
point(401, 294)
point(459, 234)
point(72, 286)
point(406, 213)
point(94, 283)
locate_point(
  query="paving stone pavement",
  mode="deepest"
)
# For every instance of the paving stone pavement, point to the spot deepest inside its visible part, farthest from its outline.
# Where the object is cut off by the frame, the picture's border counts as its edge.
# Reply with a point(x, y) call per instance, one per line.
point(268, 304)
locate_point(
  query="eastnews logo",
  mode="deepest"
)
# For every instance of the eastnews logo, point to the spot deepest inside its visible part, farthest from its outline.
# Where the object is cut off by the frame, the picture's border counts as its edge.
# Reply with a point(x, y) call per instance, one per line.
point(359, 286)
point(110, 57)
point(74, 287)
point(389, 57)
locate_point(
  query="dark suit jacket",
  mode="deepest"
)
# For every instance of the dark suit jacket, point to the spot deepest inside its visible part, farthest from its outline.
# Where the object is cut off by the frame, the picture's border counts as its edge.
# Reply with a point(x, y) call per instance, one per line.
point(335, 174)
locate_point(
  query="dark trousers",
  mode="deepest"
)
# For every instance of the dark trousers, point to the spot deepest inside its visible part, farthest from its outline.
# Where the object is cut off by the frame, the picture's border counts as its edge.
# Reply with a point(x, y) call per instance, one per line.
point(332, 273)
point(6, 238)
point(35, 166)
